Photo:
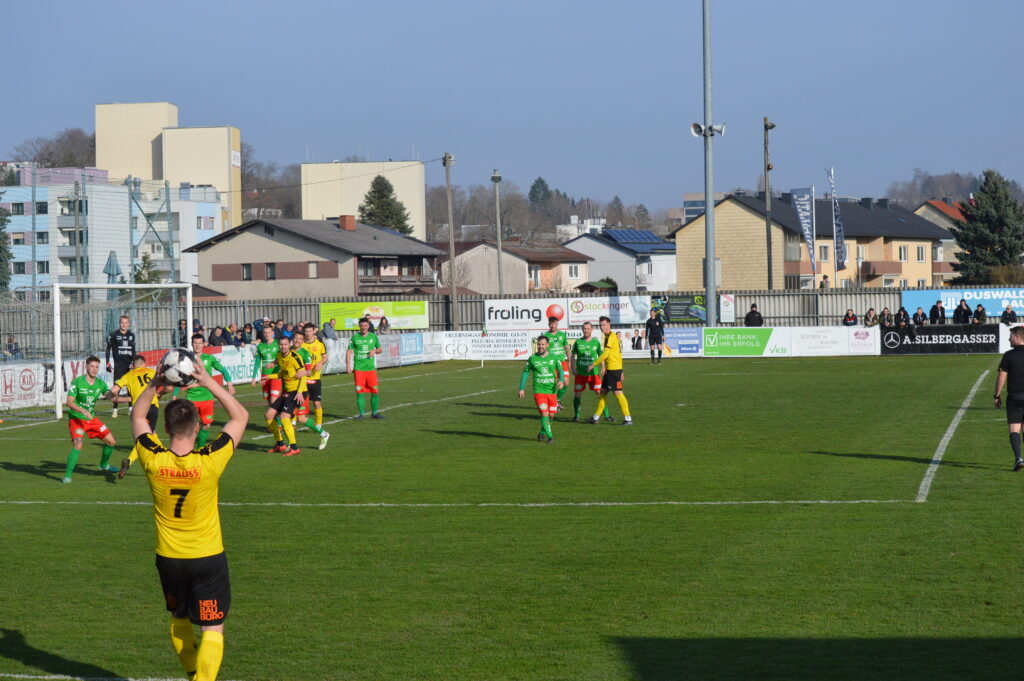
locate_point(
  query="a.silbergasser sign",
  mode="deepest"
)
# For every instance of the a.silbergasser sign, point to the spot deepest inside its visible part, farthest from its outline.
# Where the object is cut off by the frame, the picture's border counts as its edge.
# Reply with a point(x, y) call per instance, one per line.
point(946, 339)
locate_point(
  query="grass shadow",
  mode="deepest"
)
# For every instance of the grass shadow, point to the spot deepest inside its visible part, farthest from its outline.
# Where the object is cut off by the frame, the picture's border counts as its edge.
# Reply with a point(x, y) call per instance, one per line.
point(495, 405)
point(480, 434)
point(53, 470)
point(910, 459)
point(882, 659)
point(13, 646)
point(531, 416)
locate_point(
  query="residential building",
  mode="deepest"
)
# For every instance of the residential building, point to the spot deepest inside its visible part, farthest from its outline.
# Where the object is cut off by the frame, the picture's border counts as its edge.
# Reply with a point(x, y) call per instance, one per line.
point(693, 204)
point(332, 189)
point(550, 266)
point(143, 140)
point(887, 246)
point(313, 258)
point(635, 259)
point(578, 226)
point(477, 267)
point(943, 213)
point(46, 205)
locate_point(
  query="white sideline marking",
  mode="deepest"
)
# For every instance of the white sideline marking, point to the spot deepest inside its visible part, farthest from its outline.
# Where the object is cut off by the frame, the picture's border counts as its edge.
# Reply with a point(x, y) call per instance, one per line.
point(489, 504)
point(55, 677)
point(431, 373)
point(940, 451)
point(396, 406)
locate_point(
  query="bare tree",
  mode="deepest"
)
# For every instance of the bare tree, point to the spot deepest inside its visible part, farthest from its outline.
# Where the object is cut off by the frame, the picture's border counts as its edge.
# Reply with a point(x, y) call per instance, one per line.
point(69, 148)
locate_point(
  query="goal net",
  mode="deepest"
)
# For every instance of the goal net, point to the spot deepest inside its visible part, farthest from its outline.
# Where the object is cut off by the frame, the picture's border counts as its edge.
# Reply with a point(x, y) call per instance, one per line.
point(45, 342)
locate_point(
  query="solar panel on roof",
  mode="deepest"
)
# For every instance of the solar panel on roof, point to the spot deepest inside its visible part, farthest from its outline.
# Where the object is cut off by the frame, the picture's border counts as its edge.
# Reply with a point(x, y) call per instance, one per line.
point(634, 236)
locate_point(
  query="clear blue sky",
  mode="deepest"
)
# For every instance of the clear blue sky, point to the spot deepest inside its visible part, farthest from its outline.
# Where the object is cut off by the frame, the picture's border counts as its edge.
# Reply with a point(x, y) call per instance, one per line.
point(595, 96)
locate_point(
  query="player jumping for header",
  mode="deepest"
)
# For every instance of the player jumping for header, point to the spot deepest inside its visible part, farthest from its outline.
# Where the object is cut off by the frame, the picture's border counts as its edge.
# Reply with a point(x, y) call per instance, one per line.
point(546, 372)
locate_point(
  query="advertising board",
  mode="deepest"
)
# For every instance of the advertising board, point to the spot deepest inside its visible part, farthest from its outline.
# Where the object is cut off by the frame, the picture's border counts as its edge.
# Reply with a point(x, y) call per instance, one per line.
point(524, 314)
point(926, 340)
point(994, 300)
point(676, 308)
point(747, 342)
point(684, 342)
point(620, 309)
point(401, 314)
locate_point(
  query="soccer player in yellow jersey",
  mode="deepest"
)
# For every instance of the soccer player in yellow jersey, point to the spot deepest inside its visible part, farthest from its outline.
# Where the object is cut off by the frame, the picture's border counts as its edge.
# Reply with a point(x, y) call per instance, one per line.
point(318, 358)
point(135, 381)
point(612, 379)
point(292, 372)
point(184, 480)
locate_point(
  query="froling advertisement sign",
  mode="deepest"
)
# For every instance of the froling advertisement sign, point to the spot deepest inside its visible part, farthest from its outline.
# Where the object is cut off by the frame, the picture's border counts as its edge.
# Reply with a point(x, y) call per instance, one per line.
point(524, 314)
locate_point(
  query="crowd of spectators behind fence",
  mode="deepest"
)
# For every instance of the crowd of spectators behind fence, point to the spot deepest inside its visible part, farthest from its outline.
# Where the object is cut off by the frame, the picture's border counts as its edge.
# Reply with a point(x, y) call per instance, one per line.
point(937, 315)
point(250, 333)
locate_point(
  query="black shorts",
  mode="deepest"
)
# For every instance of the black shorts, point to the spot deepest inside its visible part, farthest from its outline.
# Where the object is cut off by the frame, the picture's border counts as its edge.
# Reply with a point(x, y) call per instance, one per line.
point(1015, 408)
point(285, 404)
point(121, 367)
point(151, 416)
point(313, 390)
point(656, 340)
point(198, 588)
point(612, 380)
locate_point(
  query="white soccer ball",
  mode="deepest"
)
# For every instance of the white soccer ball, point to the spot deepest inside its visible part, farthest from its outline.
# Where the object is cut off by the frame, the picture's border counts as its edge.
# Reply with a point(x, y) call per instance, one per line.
point(177, 367)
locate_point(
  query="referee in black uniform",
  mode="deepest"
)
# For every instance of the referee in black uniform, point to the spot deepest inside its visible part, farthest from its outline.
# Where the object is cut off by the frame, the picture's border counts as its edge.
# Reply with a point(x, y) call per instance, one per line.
point(655, 332)
point(120, 348)
point(1011, 374)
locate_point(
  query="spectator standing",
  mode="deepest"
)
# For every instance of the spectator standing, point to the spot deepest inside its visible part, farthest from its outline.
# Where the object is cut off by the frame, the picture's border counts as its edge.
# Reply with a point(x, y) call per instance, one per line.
point(217, 338)
point(850, 319)
point(179, 337)
point(871, 318)
point(885, 319)
point(329, 329)
point(937, 315)
point(902, 319)
point(1009, 316)
point(962, 313)
point(824, 281)
point(919, 317)
point(279, 329)
point(247, 334)
point(288, 331)
point(384, 326)
point(979, 316)
point(753, 317)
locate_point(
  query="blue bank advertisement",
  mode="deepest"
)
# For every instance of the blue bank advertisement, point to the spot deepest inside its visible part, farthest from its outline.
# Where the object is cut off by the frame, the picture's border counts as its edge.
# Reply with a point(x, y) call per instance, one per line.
point(684, 341)
point(411, 348)
point(994, 300)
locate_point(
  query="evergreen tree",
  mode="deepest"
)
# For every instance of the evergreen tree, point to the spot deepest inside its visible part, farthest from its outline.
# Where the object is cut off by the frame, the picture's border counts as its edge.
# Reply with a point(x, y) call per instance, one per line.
point(992, 231)
point(642, 216)
point(540, 194)
point(615, 213)
point(381, 207)
point(5, 250)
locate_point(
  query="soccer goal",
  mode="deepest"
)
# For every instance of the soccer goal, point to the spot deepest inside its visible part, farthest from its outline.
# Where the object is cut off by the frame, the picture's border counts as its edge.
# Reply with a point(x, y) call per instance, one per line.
point(47, 335)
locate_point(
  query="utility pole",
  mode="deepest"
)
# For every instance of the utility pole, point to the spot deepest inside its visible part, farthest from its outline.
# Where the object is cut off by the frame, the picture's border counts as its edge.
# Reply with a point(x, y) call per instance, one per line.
point(453, 289)
point(710, 288)
point(496, 179)
point(768, 125)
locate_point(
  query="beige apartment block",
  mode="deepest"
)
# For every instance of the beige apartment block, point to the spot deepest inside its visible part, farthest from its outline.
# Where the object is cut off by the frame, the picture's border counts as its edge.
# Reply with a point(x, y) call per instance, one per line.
point(128, 138)
point(211, 156)
point(333, 189)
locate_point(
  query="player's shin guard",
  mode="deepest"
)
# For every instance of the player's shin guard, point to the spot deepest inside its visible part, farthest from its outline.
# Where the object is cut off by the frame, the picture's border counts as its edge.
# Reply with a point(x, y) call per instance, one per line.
point(374, 402)
point(318, 415)
point(576, 405)
point(600, 406)
point(289, 429)
point(361, 403)
point(1014, 442)
point(105, 457)
point(204, 435)
point(183, 636)
point(623, 405)
point(211, 652)
point(72, 462)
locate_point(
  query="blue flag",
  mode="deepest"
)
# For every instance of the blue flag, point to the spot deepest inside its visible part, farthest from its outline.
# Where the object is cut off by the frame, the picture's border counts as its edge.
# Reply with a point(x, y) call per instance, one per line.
point(803, 202)
point(837, 223)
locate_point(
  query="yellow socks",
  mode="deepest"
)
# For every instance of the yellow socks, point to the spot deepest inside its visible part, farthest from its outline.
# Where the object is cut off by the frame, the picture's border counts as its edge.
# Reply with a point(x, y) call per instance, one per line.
point(211, 652)
point(183, 636)
point(289, 429)
point(623, 404)
point(275, 430)
point(600, 406)
point(318, 416)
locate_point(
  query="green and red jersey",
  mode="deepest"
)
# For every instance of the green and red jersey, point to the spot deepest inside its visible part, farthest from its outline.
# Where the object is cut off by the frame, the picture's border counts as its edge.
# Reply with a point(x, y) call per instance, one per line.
point(587, 352)
point(547, 372)
point(362, 348)
point(558, 345)
point(198, 393)
point(86, 395)
point(265, 354)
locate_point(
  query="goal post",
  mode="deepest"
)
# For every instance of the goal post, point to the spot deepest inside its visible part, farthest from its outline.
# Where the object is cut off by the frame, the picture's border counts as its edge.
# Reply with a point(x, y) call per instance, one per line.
point(116, 305)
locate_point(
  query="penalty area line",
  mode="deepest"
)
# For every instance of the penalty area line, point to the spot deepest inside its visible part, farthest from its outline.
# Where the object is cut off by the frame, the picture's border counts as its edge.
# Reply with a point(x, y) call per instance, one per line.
point(940, 451)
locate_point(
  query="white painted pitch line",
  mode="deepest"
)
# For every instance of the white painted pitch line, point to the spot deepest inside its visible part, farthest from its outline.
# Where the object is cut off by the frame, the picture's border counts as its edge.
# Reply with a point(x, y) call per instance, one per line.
point(397, 406)
point(61, 677)
point(490, 504)
point(940, 451)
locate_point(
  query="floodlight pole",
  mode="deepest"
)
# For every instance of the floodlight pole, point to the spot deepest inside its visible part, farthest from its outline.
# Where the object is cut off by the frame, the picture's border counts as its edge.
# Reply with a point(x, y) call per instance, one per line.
point(710, 290)
point(768, 125)
point(496, 179)
point(453, 288)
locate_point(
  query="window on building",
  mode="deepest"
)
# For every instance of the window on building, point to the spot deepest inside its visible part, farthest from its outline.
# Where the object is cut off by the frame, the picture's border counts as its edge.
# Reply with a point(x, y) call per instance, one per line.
point(368, 268)
point(847, 283)
point(247, 271)
point(17, 238)
point(199, 223)
point(134, 222)
point(791, 252)
point(921, 254)
point(21, 295)
point(534, 274)
point(822, 252)
point(862, 252)
point(68, 206)
point(903, 283)
point(921, 283)
point(314, 270)
point(271, 270)
point(42, 208)
point(650, 267)
point(17, 209)
point(43, 295)
point(19, 267)
point(42, 237)
point(904, 253)
point(574, 271)
point(888, 282)
point(937, 252)
point(43, 266)
point(412, 268)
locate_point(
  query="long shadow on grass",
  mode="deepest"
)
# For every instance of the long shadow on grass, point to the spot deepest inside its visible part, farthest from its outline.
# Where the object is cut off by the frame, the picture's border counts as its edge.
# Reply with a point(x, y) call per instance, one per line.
point(531, 416)
point(911, 459)
point(475, 433)
point(885, 659)
point(492, 406)
point(52, 469)
point(14, 647)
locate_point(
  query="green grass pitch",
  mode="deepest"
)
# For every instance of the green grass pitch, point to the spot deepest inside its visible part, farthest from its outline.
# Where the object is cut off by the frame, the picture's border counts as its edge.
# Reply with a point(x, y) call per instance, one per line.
point(445, 542)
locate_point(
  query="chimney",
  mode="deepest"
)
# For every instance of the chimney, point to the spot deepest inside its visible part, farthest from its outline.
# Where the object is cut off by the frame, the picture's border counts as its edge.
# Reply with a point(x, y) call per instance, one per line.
point(787, 197)
point(866, 202)
point(347, 223)
point(947, 200)
point(883, 204)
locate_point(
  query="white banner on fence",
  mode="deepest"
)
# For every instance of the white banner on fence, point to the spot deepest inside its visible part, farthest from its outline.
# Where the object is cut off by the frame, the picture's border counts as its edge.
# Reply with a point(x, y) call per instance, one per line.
point(524, 314)
point(620, 309)
point(821, 341)
point(27, 384)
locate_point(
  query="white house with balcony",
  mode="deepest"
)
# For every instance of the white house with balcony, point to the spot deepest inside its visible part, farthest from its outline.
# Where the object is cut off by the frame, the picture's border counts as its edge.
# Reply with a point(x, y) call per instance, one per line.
point(636, 259)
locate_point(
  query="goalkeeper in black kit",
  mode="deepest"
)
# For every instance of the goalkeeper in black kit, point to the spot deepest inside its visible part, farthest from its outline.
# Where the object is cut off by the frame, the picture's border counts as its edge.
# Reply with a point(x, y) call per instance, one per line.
point(121, 349)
